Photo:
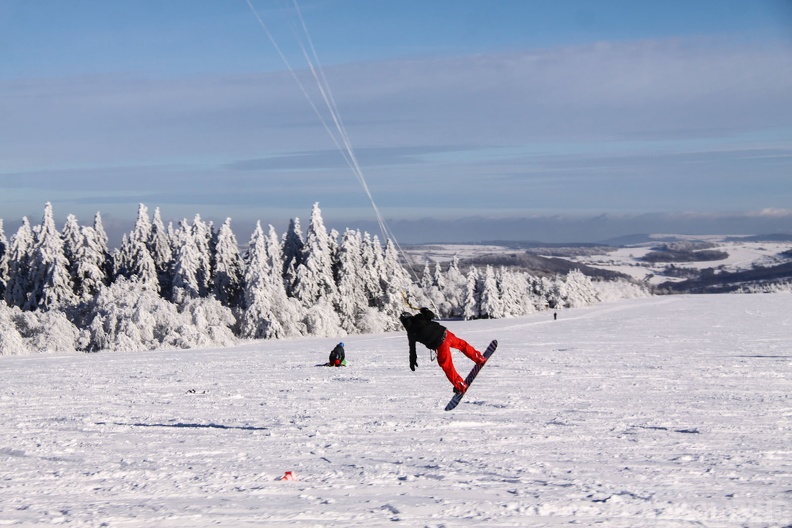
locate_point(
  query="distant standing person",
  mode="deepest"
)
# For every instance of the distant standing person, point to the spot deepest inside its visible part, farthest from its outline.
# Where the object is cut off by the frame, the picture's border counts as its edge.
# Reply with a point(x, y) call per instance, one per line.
point(337, 356)
point(434, 336)
point(555, 316)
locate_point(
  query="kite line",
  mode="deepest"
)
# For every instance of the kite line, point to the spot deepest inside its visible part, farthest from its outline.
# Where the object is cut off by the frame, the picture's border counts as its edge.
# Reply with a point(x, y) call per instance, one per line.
point(339, 134)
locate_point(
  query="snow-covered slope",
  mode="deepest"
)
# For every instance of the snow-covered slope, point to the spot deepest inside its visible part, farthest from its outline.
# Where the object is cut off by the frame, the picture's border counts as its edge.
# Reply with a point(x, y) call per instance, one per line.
point(741, 255)
point(672, 411)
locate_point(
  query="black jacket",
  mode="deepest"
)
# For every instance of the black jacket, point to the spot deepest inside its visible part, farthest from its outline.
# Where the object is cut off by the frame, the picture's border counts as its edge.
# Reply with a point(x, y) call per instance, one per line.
point(420, 328)
point(337, 354)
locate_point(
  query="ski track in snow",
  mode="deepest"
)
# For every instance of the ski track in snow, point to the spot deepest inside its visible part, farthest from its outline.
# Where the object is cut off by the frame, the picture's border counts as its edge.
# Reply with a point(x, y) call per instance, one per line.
point(661, 412)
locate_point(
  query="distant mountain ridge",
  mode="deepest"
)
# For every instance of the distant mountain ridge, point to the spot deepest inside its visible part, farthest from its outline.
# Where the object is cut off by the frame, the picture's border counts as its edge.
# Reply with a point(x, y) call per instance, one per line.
point(631, 240)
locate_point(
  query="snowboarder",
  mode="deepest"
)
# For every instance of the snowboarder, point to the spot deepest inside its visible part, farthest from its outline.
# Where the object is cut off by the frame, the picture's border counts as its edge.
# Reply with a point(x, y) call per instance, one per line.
point(420, 328)
point(337, 356)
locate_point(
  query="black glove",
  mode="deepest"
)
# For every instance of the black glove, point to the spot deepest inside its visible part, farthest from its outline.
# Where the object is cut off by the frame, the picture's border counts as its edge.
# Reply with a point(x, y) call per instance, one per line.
point(413, 361)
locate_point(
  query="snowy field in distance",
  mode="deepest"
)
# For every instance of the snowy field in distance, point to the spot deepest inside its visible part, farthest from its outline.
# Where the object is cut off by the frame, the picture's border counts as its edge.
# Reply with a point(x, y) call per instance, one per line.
point(432, 253)
point(743, 254)
point(660, 412)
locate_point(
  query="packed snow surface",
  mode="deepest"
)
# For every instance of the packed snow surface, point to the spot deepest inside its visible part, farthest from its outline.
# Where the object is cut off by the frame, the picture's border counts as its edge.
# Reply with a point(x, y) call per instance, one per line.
point(660, 412)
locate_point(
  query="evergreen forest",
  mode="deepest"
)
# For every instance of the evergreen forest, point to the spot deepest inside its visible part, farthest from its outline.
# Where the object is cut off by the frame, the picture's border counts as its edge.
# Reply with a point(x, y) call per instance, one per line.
point(193, 285)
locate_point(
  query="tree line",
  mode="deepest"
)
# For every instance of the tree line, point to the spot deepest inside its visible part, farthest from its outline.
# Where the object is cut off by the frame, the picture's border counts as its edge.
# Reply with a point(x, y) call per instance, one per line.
point(192, 284)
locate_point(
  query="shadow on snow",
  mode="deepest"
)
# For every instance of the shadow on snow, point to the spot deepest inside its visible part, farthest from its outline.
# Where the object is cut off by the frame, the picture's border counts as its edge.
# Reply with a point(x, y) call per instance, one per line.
point(188, 426)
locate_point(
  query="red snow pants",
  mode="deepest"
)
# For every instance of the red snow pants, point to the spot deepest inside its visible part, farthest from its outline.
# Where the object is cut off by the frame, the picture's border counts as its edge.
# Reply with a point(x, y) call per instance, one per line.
point(447, 363)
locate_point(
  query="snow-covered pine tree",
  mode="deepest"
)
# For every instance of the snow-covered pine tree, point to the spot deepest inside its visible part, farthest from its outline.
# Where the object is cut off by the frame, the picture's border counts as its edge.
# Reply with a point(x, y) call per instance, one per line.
point(275, 257)
point(202, 235)
point(142, 230)
point(121, 259)
point(472, 304)
point(438, 279)
point(124, 255)
point(133, 258)
point(3, 261)
point(579, 289)
point(315, 283)
point(143, 267)
point(371, 269)
point(287, 311)
point(537, 289)
point(159, 246)
point(227, 283)
point(489, 302)
point(368, 296)
point(335, 246)
point(554, 291)
point(72, 240)
point(11, 341)
point(101, 237)
point(292, 248)
point(258, 320)
point(395, 285)
point(455, 288)
point(427, 281)
point(430, 293)
point(351, 301)
point(91, 265)
point(19, 256)
point(436, 291)
point(515, 292)
point(49, 279)
point(186, 262)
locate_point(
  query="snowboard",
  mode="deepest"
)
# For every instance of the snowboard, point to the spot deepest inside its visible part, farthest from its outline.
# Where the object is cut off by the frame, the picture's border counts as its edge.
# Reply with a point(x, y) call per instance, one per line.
point(470, 377)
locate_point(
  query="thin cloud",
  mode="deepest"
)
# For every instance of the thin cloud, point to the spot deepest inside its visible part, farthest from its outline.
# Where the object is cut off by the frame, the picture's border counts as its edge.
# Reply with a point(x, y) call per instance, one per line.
point(773, 213)
point(649, 125)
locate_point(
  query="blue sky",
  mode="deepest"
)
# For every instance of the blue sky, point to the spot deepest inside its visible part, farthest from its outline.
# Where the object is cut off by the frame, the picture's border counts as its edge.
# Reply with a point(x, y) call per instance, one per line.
point(471, 120)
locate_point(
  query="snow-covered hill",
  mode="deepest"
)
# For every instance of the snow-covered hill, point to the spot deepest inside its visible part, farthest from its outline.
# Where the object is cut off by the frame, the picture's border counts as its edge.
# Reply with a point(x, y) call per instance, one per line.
point(740, 253)
point(660, 412)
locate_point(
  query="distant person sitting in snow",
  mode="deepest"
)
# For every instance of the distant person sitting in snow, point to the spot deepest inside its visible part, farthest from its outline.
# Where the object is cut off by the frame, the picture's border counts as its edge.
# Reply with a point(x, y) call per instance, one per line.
point(420, 328)
point(337, 356)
